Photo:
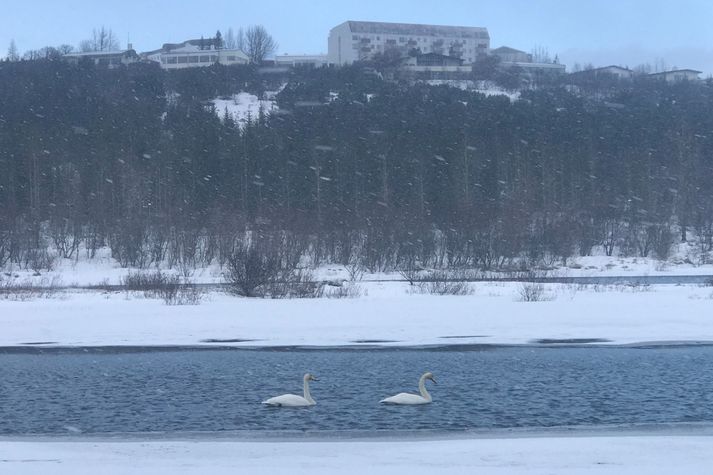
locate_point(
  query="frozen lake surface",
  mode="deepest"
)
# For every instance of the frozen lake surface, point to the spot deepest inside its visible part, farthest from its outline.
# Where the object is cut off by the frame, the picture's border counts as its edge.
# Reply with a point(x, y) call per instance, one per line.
point(60, 392)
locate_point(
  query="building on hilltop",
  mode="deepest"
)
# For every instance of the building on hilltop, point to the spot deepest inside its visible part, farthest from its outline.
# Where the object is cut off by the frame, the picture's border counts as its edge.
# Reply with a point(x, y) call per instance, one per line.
point(511, 55)
point(677, 75)
point(292, 60)
point(195, 54)
point(430, 66)
point(432, 60)
point(514, 58)
point(617, 72)
point(361, 40)
point(109, 59)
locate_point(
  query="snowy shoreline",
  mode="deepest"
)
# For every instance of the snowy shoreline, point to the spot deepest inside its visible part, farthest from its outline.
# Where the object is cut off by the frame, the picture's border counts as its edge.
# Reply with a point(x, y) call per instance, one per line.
point(665, 429)
point(387, 315)
point(646, 454)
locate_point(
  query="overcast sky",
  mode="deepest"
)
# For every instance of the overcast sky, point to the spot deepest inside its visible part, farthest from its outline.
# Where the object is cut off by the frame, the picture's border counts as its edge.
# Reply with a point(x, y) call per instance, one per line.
point(602, 32)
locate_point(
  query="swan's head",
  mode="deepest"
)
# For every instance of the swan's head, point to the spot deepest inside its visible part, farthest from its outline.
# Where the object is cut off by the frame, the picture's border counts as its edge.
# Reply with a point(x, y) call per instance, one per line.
point(429, 375)
point(310, 377)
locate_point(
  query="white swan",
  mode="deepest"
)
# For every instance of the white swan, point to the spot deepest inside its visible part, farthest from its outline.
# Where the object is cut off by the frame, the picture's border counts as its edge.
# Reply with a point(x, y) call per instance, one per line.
point(410, 399)
point(293, 400)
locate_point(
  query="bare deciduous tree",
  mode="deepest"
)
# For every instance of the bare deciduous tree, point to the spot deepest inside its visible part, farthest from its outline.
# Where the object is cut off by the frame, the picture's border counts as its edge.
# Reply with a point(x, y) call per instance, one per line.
point(229, 39)
point(12, 53)
point(240, 40)
point(540, 54)
point(235, 39)
point(102, 39)
point(258, 43)
point(65, 49)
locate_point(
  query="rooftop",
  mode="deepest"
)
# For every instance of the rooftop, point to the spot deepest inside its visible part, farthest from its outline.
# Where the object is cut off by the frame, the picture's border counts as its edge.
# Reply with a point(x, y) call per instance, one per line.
point(98, 53)
point(676, 71)
point(417, 29)
point(506, 50)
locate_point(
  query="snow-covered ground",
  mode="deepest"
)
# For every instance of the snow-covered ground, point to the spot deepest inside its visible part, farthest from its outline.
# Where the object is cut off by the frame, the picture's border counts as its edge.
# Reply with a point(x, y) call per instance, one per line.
point(605, 455)
point(484, 87)
point(102, 269)
point(243, 106)
point(389, 311)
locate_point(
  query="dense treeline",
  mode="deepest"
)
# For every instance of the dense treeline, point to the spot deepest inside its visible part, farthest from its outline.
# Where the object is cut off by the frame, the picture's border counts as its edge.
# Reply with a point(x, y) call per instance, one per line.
point(350, 168)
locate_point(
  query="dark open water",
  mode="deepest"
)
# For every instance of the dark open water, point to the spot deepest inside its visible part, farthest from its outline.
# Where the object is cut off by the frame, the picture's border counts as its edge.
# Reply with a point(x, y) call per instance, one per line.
point(221, 390)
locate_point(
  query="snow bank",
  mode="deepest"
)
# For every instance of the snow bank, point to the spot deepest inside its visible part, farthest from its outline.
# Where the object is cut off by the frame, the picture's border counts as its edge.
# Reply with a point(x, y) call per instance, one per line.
point(646, 455)
point(388, 311)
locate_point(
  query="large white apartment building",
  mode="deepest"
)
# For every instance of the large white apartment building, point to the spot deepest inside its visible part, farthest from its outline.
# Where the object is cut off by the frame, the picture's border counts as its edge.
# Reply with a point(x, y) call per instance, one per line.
point(359, 40)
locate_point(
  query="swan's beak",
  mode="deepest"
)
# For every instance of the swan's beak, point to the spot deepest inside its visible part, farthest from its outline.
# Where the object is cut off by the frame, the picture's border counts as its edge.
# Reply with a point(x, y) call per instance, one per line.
point(434, 380)
point(314, 378)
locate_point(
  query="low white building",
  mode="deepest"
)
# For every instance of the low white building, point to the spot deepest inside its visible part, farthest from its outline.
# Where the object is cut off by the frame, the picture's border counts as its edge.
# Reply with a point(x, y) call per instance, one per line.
point(515, 58)
point(612, 71)
point(109, 59)
point(361, 40)
point(511, 55)
point(677, 75)
point(292, 60)
point(195, 54)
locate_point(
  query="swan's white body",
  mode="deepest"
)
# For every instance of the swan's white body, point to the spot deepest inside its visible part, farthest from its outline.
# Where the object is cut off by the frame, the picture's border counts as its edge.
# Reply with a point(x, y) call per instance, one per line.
point(293, 400)
point(413, 399)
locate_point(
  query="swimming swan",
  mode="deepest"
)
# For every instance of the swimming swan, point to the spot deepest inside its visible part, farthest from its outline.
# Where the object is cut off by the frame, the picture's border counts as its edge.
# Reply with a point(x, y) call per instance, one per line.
point(406, 398)
point(293, 400)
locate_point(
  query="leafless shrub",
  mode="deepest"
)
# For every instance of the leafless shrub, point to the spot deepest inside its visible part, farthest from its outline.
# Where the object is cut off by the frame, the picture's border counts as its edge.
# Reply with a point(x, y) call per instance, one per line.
point(167, 287)
point(185, 294)
point(355, 269)
point(636, 286)
point(146, 281)
point(29, 289)
point(296, 284)
point(533, 292)
point(347, 291)
point(410, 271)
point(39, 260)
point(102, 285)
point(250, 270)
point(442, 283)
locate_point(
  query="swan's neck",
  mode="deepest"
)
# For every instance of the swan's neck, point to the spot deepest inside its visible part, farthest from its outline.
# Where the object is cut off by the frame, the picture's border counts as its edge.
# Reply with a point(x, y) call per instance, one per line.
point(422, 389)
point(308, 396)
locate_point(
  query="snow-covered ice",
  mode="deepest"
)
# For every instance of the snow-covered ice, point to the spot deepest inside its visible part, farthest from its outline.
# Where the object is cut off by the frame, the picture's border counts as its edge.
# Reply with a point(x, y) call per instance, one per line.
point(603, 455)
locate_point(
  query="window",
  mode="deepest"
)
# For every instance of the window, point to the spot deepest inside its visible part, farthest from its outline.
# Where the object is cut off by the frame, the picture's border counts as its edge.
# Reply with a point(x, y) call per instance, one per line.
point(193, 59)
point(231, 58)
point(205, 59)
point(171, 60)
point(182, 59)
point(213, 58)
